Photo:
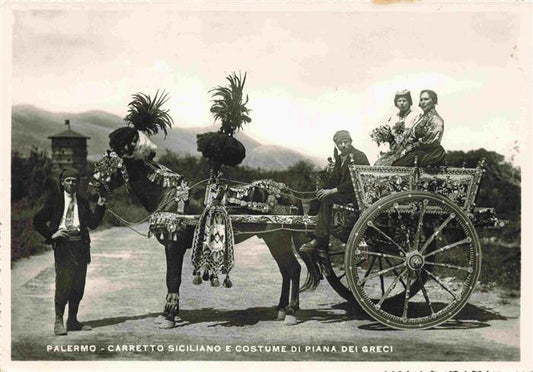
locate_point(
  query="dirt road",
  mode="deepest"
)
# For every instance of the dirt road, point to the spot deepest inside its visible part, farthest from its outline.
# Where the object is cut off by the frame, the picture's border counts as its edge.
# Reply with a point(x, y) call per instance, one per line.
point(126, 290)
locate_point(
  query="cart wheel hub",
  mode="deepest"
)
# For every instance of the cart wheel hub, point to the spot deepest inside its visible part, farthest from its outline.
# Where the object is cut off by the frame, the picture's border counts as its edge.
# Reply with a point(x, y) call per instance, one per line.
point(415, 261)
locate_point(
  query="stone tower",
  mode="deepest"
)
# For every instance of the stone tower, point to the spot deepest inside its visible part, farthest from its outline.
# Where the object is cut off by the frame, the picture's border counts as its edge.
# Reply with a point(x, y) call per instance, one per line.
point(69, 150)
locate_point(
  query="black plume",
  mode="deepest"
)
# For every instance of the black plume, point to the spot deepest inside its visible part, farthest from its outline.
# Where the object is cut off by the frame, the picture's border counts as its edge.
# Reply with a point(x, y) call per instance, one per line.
point(146, 114)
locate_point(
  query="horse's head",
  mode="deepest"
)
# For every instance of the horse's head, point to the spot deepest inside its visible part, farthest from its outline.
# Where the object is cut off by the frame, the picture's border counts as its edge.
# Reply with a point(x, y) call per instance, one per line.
point(123, 141)
point(109, 173)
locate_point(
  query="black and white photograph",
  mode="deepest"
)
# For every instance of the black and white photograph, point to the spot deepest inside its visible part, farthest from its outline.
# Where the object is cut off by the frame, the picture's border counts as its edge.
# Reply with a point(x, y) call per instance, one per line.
point(272, 185)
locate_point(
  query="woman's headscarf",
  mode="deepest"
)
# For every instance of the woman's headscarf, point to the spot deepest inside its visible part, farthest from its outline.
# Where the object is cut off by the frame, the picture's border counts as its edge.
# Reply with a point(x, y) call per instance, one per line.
point(403, 94)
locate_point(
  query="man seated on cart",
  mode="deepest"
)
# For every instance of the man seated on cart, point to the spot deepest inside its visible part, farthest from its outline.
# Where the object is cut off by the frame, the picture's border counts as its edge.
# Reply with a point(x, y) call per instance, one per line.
point(340, 191)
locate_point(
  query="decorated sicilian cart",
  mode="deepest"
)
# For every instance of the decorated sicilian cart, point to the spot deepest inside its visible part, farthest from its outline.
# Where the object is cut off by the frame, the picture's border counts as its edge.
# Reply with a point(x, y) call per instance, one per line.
point(410, 255)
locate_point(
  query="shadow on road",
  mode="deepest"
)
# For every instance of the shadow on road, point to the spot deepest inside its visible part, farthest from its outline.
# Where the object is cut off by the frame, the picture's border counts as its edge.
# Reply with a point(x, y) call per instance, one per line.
point(470, 317)
point(450, 325)
point(251, 316)
point(119, 319)
point(236, 318)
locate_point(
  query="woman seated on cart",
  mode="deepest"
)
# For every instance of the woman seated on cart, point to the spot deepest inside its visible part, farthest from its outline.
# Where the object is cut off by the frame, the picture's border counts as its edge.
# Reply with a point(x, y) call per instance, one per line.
point(421, 141)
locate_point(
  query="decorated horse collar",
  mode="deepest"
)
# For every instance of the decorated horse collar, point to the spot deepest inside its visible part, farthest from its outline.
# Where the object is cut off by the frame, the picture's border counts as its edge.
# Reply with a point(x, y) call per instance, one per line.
point(104, 170)
point(157, 173)
point(164, 176)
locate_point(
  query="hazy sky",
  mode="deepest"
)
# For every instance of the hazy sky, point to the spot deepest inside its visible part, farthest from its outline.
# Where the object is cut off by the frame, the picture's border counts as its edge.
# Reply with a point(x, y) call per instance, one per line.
point(310, 73)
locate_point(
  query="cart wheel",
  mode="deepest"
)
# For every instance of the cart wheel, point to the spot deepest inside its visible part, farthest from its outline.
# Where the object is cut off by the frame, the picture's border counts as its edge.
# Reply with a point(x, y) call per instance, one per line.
point(413, 259)
point(339, 282)
point(337, 279)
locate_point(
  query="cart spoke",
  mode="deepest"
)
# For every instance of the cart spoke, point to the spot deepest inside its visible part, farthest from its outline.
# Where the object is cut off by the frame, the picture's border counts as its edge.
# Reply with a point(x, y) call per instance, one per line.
point(425, 293)
point(437, 232)
point(390, 288)
point(371, 224)
point(382, 284)
point(342, 275)
point(439, 282)
point(381, 272)
point(370, 266)
point(449, 246)
point(403, 226)
point(378, 254)
point(406, 298)
point(416, 240)
point(395, 272)
point(336, 253)
point(448, 266)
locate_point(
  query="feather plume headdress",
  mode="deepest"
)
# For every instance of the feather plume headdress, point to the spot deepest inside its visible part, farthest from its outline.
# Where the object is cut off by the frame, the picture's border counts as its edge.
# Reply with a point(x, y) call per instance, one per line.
point(147, 115)
point(228, 105)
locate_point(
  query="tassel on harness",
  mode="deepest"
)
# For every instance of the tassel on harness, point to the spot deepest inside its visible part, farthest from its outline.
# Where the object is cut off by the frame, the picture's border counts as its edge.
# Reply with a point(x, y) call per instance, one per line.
point(213, 246)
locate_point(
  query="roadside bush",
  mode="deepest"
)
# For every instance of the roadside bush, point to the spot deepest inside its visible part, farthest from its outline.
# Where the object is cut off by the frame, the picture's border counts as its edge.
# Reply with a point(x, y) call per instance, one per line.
point(500, 264)
point(30, 183)
point(24, 240)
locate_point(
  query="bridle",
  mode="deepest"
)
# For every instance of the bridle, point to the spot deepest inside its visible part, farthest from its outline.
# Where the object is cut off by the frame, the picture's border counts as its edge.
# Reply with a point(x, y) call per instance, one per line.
point(104, 171)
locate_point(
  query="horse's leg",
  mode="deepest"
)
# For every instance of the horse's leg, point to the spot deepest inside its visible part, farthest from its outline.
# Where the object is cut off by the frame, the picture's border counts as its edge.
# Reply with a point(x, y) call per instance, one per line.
point(294, 270)
point(313, 270)
point(284, 296)
point(174, 253)
point(279, 244)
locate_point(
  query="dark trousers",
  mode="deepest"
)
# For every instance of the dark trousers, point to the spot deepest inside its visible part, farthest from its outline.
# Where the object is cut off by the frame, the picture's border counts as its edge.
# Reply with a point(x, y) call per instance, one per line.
point(71, 271)
point(324, 217)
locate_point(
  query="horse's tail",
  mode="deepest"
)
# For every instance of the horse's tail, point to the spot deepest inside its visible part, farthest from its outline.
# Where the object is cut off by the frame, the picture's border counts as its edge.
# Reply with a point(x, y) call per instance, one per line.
point(313, 269)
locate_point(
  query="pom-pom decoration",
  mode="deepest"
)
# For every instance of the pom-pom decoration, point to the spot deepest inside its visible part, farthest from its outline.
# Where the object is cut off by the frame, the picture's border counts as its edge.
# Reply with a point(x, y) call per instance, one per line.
point(147, 115)
point(220, 148)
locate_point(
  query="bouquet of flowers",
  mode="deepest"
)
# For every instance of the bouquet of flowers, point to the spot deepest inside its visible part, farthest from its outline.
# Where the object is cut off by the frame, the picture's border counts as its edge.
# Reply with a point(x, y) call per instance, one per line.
point(386, 134)
point(382, 134)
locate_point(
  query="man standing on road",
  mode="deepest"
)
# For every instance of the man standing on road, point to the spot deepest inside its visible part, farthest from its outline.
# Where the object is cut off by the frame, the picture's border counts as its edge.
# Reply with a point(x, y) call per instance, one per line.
point(63, 221)
point(341, 193)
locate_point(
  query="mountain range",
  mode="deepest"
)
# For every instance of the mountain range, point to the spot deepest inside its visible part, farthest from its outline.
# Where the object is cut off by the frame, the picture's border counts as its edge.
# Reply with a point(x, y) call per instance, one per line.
point(31, 127)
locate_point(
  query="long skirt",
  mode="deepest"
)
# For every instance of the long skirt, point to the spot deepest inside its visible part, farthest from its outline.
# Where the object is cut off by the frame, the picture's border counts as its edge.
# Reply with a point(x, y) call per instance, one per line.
point(426, 154)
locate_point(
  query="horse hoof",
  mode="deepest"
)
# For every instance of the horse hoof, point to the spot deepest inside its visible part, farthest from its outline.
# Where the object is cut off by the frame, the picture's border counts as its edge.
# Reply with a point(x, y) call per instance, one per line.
point(281, 315)
point(290, 320)
point(159, 319)
point(167, 324)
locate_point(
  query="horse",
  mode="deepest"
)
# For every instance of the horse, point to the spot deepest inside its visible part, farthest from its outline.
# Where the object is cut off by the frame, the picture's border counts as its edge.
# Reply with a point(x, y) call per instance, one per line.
point(160, 189)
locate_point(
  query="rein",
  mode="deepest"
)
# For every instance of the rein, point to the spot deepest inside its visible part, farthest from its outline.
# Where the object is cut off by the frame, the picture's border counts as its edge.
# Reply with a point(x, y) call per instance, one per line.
point(281, 193)
point(129, 224)
point(281, 228)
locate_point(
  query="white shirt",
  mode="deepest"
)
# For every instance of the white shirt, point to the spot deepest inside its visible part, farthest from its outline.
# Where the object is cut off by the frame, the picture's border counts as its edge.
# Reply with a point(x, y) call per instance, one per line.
point(76, 220)
point(408, 121)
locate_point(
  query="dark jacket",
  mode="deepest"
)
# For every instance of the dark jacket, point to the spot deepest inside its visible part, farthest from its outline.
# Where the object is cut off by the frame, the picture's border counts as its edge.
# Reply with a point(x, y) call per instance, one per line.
point(343, 179)
point(47, 220)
